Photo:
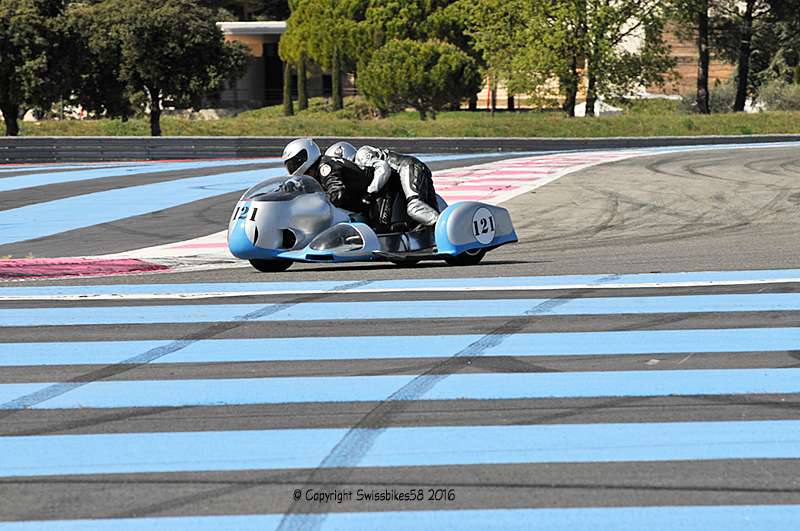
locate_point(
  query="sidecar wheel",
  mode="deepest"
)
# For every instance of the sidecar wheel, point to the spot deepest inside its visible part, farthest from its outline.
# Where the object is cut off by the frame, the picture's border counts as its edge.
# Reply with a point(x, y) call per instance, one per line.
point(467, 258)
point(405, 263)
point(271, 266)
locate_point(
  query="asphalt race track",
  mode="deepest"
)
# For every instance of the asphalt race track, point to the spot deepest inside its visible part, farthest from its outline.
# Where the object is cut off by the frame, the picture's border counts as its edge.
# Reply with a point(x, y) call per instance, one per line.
point(632, 363)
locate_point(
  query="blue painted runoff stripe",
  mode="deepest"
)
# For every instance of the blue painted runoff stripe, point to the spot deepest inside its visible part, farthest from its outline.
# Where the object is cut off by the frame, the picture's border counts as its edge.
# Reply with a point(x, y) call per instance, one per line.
point(8, 394)
point(78, 353)
point(127, 453)
point(722, 146)
point(57, 174)
point(595, 280)
point(61, 166)
point(474, 386)
point(31, 180)
point(53, 217)
point(383, 347)
point(416, 284)
point(718, 518)
point(423, 309)
point(170, 164)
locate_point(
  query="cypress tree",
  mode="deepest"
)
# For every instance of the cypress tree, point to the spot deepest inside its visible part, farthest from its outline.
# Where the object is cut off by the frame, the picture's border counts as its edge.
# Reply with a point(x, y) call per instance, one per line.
point(288, 107)
point(336, 75)
point(302, 93)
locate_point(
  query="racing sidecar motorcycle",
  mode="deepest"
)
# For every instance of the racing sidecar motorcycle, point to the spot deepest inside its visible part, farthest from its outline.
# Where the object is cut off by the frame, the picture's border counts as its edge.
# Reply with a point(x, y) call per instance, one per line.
point(289, 219)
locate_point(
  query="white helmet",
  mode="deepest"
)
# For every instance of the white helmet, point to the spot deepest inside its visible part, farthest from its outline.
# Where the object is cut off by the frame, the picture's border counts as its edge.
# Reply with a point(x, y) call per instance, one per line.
point(368, 155)
point(299, 155)
point(343, 150)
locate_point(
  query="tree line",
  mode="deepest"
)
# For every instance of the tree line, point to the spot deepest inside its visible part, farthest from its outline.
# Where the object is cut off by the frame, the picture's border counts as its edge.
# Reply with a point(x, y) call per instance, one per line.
point(113, 57)
point(425, 53)
point(117, 58)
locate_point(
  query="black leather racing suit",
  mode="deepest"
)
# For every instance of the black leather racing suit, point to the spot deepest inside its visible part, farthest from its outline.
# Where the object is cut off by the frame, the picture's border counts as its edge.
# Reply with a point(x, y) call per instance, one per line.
point(417, 182)
point(345, 182)
point(348, 186)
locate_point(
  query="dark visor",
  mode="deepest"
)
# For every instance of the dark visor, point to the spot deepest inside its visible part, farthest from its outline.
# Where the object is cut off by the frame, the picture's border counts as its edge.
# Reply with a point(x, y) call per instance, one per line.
point(295, 162)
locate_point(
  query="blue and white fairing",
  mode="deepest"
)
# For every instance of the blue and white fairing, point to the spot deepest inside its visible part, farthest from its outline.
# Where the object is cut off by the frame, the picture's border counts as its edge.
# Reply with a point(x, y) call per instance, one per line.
point(470, 225)
point(280, 214)
point(291, 218)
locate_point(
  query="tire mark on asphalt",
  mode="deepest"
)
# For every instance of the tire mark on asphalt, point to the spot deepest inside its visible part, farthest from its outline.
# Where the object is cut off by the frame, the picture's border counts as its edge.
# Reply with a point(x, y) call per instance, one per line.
point(57, 389)
point(348, 452)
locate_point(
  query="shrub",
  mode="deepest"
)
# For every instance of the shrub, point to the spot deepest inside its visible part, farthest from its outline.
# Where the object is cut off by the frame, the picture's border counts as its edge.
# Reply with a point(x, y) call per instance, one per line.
point(355, 108)
point(780, 96)
point(426, 76)
point(720, 100)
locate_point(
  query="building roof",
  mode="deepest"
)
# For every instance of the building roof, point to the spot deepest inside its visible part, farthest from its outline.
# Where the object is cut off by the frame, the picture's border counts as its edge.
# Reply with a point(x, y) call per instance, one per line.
point(252, 28)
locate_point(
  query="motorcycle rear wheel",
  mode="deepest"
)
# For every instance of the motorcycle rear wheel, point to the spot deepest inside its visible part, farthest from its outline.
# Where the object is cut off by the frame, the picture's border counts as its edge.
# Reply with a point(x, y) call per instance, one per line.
point(467, 258)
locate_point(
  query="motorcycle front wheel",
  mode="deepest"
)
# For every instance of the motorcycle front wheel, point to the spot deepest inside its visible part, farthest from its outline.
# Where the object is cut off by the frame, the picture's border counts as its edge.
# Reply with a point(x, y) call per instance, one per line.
point(271, 266)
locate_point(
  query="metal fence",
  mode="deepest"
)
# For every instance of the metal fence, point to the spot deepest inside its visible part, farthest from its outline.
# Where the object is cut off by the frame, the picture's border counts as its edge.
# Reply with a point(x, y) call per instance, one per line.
point(91, 149)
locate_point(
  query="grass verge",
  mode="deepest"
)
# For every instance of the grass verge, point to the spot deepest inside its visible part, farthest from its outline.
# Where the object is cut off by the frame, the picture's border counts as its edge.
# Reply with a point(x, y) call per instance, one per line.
point(355, 120)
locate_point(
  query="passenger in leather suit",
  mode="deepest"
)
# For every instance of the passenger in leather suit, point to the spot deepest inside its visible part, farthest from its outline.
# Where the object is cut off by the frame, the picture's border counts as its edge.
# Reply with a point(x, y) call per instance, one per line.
point(415, 179)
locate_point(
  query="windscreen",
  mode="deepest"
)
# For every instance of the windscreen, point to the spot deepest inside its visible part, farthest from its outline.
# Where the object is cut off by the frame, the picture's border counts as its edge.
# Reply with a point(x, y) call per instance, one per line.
point(283, 188)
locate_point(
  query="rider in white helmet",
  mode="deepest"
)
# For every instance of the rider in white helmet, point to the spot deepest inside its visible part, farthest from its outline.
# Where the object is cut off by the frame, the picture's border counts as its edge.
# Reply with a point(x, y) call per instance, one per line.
point(346, 184)
point(301, 156)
